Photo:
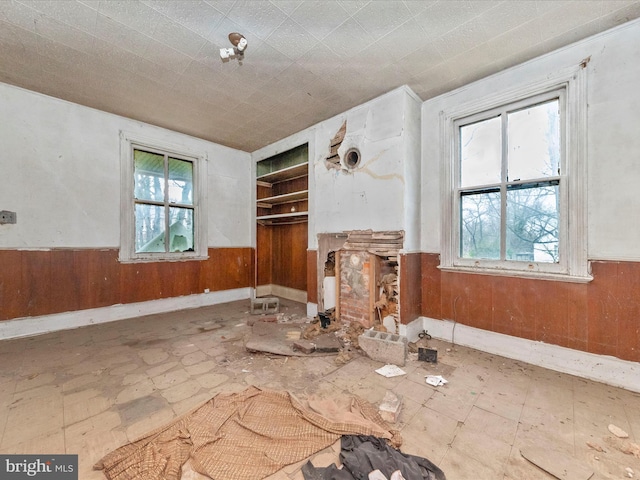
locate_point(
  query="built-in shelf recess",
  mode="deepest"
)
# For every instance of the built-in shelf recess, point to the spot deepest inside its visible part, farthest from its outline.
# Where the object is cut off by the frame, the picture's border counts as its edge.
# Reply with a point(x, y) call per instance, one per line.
point(282, 173)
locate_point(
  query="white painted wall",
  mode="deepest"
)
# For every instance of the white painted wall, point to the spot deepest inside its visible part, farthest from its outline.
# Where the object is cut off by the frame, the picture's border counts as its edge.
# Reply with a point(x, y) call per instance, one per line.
point(60, 171)
point(380, 194)
point(412, 171)
point(613, 139)
point(372, 196)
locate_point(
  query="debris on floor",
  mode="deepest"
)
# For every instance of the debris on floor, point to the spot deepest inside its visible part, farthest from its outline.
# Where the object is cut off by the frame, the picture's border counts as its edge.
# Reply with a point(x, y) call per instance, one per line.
point(390, 371)
point(304, 346)
point(344, 357)
point(361, 455)
point(390, 407)
point(556, 463)
point(384, 347)
point(617, 431)
point(436, 380)
point(623, 445)
point(427, 355)
point(327, 343)
point(316, 329)
point(232, 436)
point(287, 339)
point(596, 447)
point(350, 335)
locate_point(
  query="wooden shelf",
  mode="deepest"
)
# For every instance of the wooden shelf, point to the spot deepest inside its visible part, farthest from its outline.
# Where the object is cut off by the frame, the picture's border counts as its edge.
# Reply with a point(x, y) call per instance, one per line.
point(283, 215)
point(283, 218)
point(284, 198)
point(285, 174)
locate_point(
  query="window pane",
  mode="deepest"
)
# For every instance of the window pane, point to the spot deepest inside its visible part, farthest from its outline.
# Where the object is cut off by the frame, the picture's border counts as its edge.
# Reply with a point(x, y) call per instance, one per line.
point(149, 176)
point(534, 142)
point(181, 230)
point(532, 224)
point(149, 228)
point(480, 228)
point(480, 153)
point(180, 181)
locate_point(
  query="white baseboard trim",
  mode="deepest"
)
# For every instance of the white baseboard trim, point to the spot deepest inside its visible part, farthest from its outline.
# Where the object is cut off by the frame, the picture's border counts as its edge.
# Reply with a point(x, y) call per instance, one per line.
point(29, 326)
point(601, 368)
point(412, 329)
point(299, 296)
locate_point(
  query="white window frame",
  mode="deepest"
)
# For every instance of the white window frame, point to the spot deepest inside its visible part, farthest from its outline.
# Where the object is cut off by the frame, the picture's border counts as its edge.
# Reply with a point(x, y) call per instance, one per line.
point(571, 87)
point(129, 142)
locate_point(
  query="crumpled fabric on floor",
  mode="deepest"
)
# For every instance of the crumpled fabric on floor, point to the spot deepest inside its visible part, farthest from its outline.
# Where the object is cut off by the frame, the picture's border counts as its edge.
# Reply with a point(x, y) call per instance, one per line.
point(244, 436)
point(361, 454)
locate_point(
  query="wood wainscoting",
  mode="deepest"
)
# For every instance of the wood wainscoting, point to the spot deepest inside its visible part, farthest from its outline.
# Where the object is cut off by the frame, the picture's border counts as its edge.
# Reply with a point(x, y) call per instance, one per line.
point(34, 283)
point(599, 317)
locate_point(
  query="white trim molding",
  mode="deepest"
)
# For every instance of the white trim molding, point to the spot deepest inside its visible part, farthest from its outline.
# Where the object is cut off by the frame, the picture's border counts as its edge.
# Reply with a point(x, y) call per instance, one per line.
point(127, 253)
point(574, 265)
point(30, 326)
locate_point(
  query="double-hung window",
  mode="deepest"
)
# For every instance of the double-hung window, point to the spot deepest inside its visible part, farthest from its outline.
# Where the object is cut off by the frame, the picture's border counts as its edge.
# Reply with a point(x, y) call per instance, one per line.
point(163, 208)
point(514, 199)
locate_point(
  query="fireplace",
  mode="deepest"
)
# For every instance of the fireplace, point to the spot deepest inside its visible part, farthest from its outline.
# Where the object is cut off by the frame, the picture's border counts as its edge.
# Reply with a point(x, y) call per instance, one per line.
point(366, 276)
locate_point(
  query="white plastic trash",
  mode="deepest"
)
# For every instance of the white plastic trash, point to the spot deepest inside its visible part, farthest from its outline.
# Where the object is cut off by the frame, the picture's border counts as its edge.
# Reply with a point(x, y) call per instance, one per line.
point(436, 380)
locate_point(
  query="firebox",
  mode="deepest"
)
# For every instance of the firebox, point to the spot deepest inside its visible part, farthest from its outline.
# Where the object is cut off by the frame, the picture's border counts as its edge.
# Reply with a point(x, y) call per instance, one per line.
point(365, 267)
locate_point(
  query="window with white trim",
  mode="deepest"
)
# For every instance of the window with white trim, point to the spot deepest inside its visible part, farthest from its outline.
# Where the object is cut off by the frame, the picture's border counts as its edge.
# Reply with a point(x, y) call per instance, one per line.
point(514, 177)
point(162, 197)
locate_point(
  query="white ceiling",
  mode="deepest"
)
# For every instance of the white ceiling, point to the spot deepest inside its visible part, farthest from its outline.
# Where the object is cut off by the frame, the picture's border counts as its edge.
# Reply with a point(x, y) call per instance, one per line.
point(158, 60)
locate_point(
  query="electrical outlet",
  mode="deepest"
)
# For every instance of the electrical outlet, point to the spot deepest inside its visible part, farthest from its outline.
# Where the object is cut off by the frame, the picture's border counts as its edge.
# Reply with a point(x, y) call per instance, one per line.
point(7, 217)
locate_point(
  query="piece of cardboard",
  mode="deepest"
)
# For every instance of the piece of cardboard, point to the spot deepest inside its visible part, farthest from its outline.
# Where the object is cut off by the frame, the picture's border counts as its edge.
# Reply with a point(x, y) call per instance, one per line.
point(558, 464)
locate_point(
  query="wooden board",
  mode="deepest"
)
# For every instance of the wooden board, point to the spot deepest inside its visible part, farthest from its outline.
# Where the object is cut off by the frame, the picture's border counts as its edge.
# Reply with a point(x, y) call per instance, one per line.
point(558, 464)
point(278, 338)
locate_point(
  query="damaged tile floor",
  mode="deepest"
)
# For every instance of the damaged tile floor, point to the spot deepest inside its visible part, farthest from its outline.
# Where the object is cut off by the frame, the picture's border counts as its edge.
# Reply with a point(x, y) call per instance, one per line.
point(90, 390)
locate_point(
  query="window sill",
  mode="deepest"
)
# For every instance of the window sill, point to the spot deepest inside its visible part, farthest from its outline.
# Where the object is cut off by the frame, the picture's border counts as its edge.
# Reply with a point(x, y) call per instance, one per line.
point(160, 259)
point(557, 277)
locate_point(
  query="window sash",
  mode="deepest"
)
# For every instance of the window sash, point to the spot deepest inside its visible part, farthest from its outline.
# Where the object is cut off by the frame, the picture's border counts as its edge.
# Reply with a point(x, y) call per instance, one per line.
point(165, 203)
point(570, 84)
point(505, 185)
point(187, 239)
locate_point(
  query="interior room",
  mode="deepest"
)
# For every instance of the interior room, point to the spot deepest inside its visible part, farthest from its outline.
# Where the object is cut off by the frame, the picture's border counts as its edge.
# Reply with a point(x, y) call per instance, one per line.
point(194, 192)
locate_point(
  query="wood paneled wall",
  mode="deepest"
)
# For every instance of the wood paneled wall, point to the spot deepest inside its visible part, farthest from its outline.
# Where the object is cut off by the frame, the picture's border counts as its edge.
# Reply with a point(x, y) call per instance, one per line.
point(410, 287)
point(282, 255)
point(264, 246)
point(600, 317)
point(36, 283)
point(289, 261)
point(312, 276)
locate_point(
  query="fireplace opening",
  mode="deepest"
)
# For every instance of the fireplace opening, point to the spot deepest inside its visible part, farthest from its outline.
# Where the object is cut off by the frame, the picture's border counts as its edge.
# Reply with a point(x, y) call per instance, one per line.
point(361, 278)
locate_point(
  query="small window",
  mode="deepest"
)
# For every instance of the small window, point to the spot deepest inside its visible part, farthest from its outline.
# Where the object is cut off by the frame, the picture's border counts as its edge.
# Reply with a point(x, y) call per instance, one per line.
point(163, 215)
point(514, 181)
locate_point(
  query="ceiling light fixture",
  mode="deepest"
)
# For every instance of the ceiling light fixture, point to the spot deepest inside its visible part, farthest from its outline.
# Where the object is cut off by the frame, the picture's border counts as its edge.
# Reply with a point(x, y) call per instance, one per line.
point(239, 45)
